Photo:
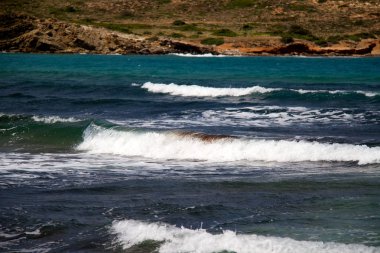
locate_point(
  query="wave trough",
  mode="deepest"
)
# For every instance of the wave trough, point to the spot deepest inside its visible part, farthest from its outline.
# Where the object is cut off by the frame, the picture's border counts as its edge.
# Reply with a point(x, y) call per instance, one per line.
point(132, 232)
point(174, 145)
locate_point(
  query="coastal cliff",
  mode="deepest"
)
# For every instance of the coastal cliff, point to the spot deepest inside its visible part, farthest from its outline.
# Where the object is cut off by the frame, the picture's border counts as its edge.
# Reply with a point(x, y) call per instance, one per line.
point(24, 33)
point(21, 33)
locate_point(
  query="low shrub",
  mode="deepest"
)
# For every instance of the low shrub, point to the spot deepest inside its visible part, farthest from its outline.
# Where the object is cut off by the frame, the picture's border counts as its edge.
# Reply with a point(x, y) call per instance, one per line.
point(115, 27)
point(241, 3)
point(225, 32)
point(70, 9)
point(163, 1)
point(178, 23)
point(287, 39)
point(213, 41)
point(247, 27)
point(189, 27)
point(177, 35)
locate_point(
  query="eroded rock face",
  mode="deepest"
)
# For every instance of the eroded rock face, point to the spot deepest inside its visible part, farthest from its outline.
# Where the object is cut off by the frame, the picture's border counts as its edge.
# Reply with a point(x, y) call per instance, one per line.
point(20, 33)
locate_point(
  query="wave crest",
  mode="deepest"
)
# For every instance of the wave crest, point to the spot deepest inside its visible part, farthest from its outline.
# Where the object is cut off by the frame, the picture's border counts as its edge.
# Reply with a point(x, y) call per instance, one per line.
point(132, 232)
point(201, 91)
point(172, 145)
point(204, 91)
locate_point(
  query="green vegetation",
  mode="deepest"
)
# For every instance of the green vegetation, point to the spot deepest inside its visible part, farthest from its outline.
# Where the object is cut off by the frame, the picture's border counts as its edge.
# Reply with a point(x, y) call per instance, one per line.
point(247, 27)
point(225, 32)
point(163, 1)
point(321, 42)
point(115, 27)
point(189, 27)
point(287, 40)
point(302, 7)
point(213, 41)
point(126, 14)
point(177, 35)
point(354, 37)
point(244, 20)
point(297, 31)
point(124, 28)
point(137, 26)
point(63, 11)
point(178, 23)
point(241, 3)
point(70, 9)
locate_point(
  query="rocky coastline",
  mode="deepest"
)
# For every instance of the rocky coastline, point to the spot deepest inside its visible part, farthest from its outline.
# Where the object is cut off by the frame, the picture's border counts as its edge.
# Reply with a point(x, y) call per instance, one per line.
point(27, 34)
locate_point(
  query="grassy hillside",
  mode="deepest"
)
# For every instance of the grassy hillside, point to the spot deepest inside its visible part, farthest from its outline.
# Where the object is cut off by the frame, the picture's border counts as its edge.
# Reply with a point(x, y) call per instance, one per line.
point(324, 22)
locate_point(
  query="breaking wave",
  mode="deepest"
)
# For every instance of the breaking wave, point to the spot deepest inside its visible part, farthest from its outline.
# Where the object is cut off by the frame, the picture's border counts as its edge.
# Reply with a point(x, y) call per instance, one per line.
point(187, 146)
point(200, 91)
point(203, 91)
point(54, 119)
point(199, 55)
point(174, 239)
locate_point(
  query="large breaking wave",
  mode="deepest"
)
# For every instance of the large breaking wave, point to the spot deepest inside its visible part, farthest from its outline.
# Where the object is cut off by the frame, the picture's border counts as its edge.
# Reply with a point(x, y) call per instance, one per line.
point(174, 240)
point(188, 146)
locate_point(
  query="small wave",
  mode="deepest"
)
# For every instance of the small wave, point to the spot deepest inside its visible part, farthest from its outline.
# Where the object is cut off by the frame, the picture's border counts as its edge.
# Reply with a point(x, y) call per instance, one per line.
point(201, 91)
point(199, 55)
point(269, 116)
point(132, 232)
point(366, 93)
point(204, 91)
point(37, 118)
point(53, 119)
point(172, 145)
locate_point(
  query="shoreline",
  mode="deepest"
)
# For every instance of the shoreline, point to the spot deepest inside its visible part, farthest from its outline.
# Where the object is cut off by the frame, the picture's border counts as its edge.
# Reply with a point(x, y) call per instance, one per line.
point(26, 34)
point(196, 55)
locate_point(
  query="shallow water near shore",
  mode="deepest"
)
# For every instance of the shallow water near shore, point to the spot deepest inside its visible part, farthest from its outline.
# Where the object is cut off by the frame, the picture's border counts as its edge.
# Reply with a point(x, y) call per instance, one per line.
point(189, 154)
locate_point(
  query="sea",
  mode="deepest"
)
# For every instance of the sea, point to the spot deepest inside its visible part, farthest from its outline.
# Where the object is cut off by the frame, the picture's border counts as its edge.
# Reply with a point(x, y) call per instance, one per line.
point(183, 153)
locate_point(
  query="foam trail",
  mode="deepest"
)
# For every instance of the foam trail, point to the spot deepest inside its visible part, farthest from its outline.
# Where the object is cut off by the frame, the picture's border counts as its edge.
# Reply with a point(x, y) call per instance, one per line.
point(366, 93)
point(199, 55)
point(172, 145)
point(201, 91)
point(174, 240)
point(53, 119)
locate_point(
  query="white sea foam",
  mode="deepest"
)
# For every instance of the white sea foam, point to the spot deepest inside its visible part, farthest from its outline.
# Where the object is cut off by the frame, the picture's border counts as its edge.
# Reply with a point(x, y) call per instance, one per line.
point(366, 93)
point(171, 145)
point(199, 55)
point(201, 91)
point(260, 116)
point(269, 116)
point(204, 91)
point(53, 119)
point(174, 240)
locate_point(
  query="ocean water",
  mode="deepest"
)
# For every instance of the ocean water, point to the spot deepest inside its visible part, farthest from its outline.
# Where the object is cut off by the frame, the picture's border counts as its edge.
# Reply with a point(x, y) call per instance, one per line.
point(189, 154)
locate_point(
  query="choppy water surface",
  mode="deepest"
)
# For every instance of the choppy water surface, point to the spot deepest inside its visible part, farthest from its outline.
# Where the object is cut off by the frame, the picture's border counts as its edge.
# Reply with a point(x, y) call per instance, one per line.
point(189, 154)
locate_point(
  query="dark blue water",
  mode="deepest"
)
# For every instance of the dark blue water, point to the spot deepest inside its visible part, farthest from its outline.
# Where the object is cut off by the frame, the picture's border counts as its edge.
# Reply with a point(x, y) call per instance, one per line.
point(116, 153)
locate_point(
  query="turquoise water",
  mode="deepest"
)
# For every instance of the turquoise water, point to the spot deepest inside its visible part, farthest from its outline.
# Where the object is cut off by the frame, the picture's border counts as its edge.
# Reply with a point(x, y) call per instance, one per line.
point(247, 154)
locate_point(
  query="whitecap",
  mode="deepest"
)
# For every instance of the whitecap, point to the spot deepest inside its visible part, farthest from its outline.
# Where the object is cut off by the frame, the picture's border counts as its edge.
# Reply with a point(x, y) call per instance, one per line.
point(174, 240)
point(201, 91)
point(174, 145)
point(53, 119)
point(204, 91)
point(198, 55)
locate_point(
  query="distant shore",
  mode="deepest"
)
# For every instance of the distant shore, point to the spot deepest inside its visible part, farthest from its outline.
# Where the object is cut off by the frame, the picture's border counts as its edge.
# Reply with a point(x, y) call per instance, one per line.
point(26, 34)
